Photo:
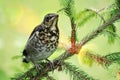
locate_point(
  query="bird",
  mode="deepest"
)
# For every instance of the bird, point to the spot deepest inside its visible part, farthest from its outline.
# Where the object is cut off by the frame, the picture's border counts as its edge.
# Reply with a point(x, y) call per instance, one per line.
point(43, 41)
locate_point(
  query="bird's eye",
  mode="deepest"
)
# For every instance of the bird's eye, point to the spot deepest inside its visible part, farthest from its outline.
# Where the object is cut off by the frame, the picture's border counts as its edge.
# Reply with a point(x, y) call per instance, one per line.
point(48, 18)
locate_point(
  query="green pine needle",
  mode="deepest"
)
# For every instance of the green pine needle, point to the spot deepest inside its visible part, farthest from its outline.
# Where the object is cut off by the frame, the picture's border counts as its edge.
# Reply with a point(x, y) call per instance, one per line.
point(68, 8)
point(75, 73)
point(117, 2)
point(110, 33)
point(113, 58)
point(86, 15)
point(83, 17)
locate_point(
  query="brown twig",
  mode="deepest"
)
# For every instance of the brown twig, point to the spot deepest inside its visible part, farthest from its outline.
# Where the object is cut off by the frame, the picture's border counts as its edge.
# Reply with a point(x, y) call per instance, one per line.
point(73, 48)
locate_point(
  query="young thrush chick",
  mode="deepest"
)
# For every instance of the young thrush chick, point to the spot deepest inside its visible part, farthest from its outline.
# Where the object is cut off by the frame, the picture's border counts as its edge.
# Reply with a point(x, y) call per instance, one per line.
point(43, 41)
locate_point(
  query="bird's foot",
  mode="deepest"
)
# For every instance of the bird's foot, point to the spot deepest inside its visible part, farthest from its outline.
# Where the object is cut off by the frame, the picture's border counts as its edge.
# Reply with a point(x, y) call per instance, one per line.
point(38, 67)
point(51, 65)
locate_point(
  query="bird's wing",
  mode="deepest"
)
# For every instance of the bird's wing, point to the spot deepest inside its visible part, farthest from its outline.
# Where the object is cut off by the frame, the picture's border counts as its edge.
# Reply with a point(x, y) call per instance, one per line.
point(37, 28)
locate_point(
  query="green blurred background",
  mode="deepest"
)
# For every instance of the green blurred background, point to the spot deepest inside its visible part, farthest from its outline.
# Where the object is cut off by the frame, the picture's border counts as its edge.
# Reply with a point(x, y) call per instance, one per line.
point(19, 17)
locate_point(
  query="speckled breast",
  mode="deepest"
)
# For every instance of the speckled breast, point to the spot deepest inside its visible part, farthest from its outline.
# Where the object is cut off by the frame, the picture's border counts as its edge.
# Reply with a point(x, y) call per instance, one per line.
point(42, 44)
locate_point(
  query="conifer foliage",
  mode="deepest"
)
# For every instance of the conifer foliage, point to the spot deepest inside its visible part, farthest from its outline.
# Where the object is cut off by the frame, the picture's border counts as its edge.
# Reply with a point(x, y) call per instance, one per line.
point(108, 16)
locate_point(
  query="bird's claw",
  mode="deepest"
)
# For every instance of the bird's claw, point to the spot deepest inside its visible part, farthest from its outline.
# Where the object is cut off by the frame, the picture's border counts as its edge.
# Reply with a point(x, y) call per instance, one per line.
point(51, 65)
point(38, 68)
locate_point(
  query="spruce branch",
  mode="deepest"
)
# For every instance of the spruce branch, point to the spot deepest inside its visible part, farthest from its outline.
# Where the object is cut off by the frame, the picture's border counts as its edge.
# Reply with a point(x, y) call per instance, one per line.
point(110, 33)
point(118, 3)
point(83, 17)
point(87, 14)
point(100, 29)
point(68, 9)
point(67, 54)
point(102, 60)
point(113, 58)
point(59, 61)
point(76, 73)
point(106, 60)
point(113, 34)
point(98, 14)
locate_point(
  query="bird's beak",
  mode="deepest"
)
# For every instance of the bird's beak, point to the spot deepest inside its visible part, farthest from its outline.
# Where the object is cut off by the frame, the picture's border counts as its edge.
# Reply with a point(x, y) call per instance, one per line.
point(55, 17)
